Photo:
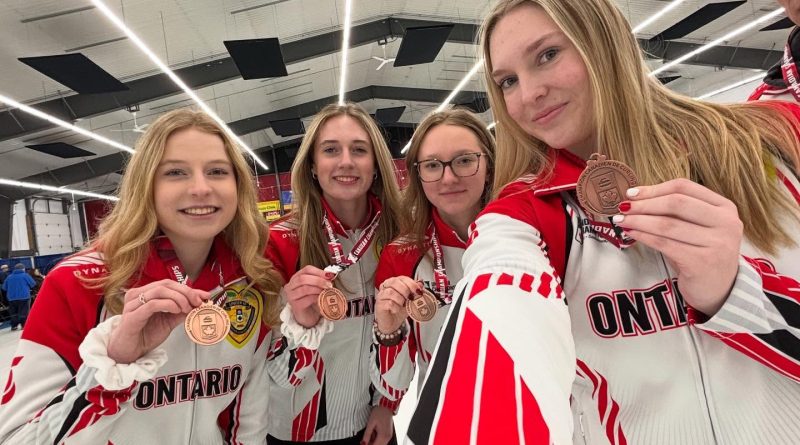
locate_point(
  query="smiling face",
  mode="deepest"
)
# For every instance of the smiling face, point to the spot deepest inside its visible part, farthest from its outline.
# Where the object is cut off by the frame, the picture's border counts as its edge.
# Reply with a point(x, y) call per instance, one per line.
point(455, 197)
point(194, 187)
point(343, 160)
point(543, 80)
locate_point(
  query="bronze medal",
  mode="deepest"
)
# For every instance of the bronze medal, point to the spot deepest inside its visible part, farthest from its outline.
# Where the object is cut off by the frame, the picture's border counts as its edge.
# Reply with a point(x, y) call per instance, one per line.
point(602, 185)
point(207, 324)
point(332, 304)
point(423, 307)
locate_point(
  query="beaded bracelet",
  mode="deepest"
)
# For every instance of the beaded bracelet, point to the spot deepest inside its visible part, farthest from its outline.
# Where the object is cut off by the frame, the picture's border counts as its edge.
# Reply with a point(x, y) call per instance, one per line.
point(390, 339)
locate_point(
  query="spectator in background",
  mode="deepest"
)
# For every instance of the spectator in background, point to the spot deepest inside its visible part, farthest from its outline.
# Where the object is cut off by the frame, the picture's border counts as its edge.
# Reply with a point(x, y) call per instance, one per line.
point(17, 287)
point(38, 278)
point(778, 84)
point(3, 276)
point(4, 313)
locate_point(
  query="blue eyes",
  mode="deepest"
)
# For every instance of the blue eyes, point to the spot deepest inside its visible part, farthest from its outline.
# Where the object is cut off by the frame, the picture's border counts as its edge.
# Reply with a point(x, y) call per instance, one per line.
point(544, 57)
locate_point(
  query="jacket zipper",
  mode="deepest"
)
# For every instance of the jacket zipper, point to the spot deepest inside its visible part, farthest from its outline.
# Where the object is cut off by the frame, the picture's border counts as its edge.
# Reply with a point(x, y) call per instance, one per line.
point(696, 348)
point(361, 340)
point(194, 399)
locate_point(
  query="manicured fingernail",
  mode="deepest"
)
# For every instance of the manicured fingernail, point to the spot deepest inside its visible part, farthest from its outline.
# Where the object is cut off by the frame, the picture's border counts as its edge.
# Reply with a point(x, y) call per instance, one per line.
point(632, 193)
point(330, 275)
point(618, 218)
point(624, 206)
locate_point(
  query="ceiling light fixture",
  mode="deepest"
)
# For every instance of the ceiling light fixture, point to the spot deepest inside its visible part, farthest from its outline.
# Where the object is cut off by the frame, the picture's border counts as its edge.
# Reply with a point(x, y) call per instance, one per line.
point(348, 5)
point(177, 80)
point(50, 188)
point(657, 15)
point(758, 76)
point(453, 94)
point(56, 121)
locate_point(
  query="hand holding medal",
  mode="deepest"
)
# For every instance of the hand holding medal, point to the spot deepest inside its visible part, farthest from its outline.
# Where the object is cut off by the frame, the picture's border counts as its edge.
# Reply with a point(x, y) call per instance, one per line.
point(149, 315)
point(392, 301)
point(303, 291)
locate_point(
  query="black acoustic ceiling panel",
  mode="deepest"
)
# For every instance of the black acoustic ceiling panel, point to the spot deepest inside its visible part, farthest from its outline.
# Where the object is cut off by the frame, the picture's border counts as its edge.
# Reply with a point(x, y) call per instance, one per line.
point(478, 104)
point(287, 127)
point(61, 149)
point(76, 72)
point(422, 44)
point(697, 20)
point(784, 23)
point(667, 79)
point(389, 115)
point(257, 58)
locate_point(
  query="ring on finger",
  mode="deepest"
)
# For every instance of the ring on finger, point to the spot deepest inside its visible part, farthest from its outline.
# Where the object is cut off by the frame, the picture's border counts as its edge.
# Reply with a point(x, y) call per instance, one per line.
point(142, 299)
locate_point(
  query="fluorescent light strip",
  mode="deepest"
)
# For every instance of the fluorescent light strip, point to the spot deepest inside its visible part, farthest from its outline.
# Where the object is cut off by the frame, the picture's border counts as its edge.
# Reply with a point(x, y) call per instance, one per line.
point(452, 94)
point(50, 188)
point(758, 76)
point(460, 85)
point(718, 41)
point(54, 120)
point(348, 6)
point(657, 15)
point(177, 80)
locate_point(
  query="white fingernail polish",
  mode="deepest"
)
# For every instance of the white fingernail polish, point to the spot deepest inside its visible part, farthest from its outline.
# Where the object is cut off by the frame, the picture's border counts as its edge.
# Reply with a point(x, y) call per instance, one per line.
point(632, 193)
point(618, 218)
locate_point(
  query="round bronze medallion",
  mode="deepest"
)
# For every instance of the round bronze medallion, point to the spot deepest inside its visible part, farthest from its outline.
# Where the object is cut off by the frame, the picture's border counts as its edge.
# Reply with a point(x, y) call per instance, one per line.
point(602, 185)
point(423, 307)
point(332, 304)
point(207, 324)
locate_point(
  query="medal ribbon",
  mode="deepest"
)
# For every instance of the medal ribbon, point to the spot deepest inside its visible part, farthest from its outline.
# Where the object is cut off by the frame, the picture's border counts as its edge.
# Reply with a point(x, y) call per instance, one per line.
point(178, 273)
point(790, 74)
point(439, 271)
point(335, 246)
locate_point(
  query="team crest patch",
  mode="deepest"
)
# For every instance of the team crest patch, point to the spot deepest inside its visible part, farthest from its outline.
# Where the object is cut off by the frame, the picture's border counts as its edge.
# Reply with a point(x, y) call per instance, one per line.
point(244, 310)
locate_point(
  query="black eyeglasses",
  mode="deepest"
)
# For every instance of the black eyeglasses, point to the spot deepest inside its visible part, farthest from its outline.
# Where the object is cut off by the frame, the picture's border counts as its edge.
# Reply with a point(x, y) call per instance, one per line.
point(462, 166)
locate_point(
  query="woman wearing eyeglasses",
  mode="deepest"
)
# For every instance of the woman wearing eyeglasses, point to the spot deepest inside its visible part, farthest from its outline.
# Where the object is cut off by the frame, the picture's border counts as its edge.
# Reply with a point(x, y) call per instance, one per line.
point(449, 163)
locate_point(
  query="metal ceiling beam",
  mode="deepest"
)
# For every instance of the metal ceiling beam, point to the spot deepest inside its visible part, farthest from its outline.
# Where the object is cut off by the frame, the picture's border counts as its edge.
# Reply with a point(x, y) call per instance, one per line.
point(719, 56)
point(213, 72)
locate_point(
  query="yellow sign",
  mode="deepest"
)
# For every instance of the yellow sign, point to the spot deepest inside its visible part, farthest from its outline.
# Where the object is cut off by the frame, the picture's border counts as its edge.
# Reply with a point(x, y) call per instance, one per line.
point(270, 209)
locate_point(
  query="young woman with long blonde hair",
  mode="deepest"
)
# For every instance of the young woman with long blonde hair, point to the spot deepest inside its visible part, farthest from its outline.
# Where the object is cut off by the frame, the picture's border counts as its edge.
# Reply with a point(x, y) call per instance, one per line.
point(671, 318)
point(345, 211)
point(449, 165)
point(105, 357)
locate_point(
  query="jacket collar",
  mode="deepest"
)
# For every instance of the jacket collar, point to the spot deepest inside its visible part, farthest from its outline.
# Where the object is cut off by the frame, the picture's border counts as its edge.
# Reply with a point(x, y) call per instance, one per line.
point(774, 77)
point(567, 168)
point(447, 235)
point(373, 206)
point(221, 257)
